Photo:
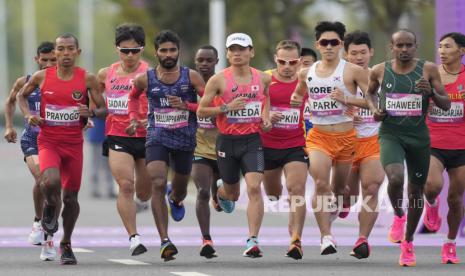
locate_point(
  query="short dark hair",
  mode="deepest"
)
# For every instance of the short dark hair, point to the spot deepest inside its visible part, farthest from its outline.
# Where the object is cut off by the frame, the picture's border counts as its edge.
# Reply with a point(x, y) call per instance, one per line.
point(288, 45)
point(357, 38)
point(130, 31)
point(45, 47)
point(209, 47)
point(405, 31)
point(308, 52)
point(166, 36)
point(459, 38)
point(69, 35)
point(328, 26)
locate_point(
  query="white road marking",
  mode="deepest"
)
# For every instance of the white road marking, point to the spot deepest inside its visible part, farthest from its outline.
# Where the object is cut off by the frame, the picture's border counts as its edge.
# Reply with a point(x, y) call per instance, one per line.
point(82, 250)
point(189, 274)
point(128, 262)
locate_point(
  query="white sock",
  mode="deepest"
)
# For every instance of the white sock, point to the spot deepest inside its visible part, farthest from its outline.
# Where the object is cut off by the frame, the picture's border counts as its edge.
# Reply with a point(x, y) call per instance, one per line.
point(447, 240)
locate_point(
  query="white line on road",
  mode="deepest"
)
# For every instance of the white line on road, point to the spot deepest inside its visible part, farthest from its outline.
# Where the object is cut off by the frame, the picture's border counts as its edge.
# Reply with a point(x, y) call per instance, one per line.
point(189, 274)
point(128, 262)
point(82, 250)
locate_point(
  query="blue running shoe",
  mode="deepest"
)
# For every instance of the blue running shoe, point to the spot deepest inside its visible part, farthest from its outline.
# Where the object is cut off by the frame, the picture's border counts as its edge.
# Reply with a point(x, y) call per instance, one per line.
point(253, 250)
point(168, 250)
point(226, 205)
point(176, 210)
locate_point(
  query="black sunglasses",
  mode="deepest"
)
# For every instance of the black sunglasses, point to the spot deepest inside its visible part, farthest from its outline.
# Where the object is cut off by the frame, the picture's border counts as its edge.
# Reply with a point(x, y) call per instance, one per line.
point(326, 42)
point(126, 51)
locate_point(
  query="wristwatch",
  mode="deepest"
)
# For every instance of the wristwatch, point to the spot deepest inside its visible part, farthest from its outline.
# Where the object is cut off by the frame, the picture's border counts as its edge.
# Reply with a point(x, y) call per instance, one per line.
point(223, 108)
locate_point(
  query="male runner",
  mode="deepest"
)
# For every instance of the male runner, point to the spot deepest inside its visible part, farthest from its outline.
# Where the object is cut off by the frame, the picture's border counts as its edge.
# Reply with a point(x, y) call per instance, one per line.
point(241, 106)
point(330, 143)
point(283, 146)
point(204, 166)
point(63, 112)
point(126, 155)
point(172, 93)
point(405, 92)
point(366, 167)
point(45, 58)
point(447, 131)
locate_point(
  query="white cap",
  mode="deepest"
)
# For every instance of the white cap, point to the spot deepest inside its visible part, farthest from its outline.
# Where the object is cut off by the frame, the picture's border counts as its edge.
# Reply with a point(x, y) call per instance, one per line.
point(240, 39)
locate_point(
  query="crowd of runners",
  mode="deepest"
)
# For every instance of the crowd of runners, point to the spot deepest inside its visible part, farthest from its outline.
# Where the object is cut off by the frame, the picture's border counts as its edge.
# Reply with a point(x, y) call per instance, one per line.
point(343, 122)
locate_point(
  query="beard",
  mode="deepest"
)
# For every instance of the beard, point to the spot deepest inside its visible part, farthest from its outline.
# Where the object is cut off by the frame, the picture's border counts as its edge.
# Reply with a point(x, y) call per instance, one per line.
point(168, 63)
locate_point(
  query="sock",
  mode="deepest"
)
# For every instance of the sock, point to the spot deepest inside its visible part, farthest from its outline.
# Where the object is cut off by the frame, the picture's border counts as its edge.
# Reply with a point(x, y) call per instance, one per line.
point(165, 240)
point(36, 219)
point(132, 236)
point(207, 237)
point(449, 241)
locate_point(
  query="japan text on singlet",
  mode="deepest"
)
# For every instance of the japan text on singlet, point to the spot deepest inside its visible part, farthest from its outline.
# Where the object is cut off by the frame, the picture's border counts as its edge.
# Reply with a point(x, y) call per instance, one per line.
point(447, 128)
point(117, 89)
point(247, 120)
point(33, 101)
point(171, 127)
point(326, 111)
point(404, 105)
point(60, 100)
point(368, 126)
point(289, 131)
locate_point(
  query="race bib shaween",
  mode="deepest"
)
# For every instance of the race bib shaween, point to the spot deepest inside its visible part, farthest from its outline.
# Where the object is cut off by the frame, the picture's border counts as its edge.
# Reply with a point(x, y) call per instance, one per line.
point(401, 104)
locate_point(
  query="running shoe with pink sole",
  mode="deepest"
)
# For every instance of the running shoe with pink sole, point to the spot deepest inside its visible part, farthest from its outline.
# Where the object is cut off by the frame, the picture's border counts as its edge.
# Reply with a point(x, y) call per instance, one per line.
point(432, 220)
point(407, 254)
point(397, 229)
point(449, 253)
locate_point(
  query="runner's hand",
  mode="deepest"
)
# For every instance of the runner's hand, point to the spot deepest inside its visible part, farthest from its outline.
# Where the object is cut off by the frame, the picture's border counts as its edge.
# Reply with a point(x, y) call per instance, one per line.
point(176, 102)
point(276, 117)
point(131, 129)
point(90, 124)
point(143, 123)
point(424, 86)
point(338, 95)
point(84, 111)
point(266, 125)
point(10, 135)
point(237, 104)
point(34, 120)
point(379, 114)
point(296, 100)
point(357, 120)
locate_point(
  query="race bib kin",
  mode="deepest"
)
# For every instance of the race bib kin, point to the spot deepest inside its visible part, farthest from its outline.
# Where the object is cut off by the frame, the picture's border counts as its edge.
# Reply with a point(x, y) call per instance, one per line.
point(290, 120)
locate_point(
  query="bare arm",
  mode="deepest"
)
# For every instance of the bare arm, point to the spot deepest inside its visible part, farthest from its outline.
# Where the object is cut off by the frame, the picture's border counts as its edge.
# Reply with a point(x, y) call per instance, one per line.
point(297, 96)
point(10, 132)
point(34, 82)
point(266, 123)
point(96, 98)
point(140, 84)
point(371, 94)
point(438, 94)
point(212, 89)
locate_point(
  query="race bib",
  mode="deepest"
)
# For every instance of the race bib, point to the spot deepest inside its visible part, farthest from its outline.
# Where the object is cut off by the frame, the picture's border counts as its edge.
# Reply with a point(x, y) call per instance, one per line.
point(400, 104)
point(366, 115)
point(307, 111)
point(171, 118)
point(205, 123)
point(290, 120)
point(117, 103)
point(250, 114)
point(57, 115)
point(453, 115)
point(323, 105)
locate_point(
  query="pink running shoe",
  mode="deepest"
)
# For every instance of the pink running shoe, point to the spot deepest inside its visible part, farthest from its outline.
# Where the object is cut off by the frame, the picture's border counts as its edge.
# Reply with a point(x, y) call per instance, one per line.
point(396, 232)
point(432, 220)
point(449, 253)
point(407, 254)
point(361, 249)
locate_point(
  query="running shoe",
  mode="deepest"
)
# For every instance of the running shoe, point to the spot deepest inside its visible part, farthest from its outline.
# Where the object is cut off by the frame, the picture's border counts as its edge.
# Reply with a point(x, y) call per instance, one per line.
point(215, 204)
point(207, 249)
point(49, 222)
point(328, 245)
point(67, 255)
point(295, 250)
point(176, 209)
point(36, 237)
point(226, 205)
point(345, 211)
point(407, 254)
point(397, 229)
point(361, 249)
point(449, 253)
point(253, 250)
point(48, 252)
point(432, 220)
point(136, 247)
point(168, 250)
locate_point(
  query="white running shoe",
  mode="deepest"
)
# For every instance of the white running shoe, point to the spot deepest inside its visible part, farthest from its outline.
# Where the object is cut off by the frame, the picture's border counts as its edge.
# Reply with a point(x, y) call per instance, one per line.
point(136, 247)
point(37, 234)
point(49, 252)
point(328, 245)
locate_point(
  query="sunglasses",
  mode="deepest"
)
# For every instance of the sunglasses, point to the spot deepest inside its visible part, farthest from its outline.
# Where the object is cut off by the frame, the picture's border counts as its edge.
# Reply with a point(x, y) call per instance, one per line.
point(326, 42)
point(291, 62)
point(126, 51)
